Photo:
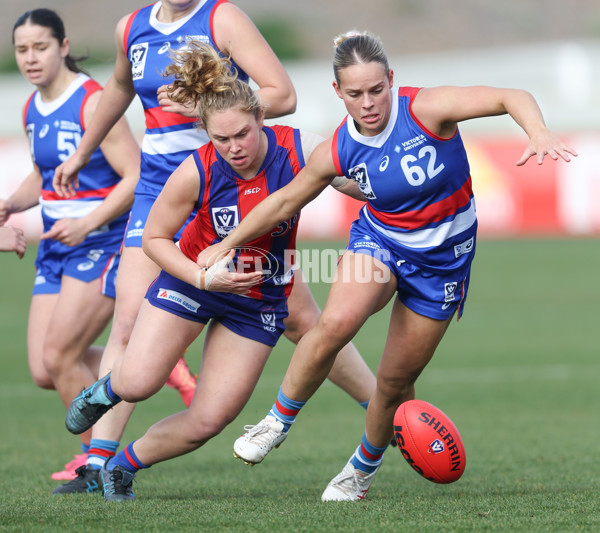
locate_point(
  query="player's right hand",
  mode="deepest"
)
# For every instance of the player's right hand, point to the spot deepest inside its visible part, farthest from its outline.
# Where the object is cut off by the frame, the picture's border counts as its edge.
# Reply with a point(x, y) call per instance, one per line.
point(66, 179)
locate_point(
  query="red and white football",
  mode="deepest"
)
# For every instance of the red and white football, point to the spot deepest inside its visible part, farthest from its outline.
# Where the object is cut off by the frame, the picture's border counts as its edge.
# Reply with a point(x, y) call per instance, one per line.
point(429, 441)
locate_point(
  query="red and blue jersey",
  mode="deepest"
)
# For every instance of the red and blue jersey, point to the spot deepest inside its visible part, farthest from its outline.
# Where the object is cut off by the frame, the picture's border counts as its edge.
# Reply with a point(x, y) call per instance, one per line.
point(169, 137)
point(225, 198)
point(55, 130)
point(417, 186)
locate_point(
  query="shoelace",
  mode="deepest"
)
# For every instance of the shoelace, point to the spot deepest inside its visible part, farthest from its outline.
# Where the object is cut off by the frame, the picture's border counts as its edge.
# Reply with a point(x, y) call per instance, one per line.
point(258, 431)
point(116, 478)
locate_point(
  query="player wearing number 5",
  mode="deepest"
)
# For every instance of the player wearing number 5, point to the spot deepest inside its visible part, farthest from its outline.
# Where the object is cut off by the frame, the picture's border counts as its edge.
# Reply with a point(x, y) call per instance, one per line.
point(414, 238)
point(73, 294)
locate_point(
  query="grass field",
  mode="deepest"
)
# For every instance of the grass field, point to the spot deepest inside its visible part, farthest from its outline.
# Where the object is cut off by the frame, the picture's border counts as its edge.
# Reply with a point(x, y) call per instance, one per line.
point(518, 375)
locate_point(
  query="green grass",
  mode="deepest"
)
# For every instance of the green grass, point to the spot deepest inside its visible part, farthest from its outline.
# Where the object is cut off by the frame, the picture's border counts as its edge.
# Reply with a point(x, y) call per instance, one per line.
point(518, 375)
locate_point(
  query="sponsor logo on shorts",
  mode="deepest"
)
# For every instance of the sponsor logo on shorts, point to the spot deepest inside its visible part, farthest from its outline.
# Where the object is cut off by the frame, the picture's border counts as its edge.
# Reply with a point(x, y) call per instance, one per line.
point(268, 319)
point(450, 291)
point(39, 280)
point(179, 299)
point(464, 247)
point(87, 265)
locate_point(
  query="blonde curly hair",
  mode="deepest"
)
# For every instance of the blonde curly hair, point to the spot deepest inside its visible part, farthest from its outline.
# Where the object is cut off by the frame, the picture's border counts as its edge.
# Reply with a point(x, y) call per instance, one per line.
point(206, 80)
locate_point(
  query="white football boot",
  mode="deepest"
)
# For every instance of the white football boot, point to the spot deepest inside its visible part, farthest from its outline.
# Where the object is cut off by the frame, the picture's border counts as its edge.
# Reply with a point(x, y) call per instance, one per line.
point(350, 485)
point(254, 445)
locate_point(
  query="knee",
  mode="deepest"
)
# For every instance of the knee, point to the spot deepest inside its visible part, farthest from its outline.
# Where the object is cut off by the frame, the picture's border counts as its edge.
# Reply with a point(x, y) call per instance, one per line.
point(395, 389)
point(132, 390)
point(202, 429)
point(298, 323)
point(42, 380)
point(53, 361)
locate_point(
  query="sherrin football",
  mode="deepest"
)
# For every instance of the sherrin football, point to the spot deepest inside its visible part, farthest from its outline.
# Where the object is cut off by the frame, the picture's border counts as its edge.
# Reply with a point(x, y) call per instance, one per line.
point(429, 441)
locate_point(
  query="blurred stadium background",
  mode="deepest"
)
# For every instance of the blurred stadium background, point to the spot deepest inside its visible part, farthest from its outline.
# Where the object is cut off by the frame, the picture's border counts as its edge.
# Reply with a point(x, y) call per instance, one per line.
point(545, 46)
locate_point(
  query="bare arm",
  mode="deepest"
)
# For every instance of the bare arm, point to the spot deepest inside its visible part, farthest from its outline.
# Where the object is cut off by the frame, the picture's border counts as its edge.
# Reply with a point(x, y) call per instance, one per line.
point(116, 97)
point(236, 33)
point(25, 197)
point(441, 108)
point(123, 155)
point(280, 205)
point(169, 212)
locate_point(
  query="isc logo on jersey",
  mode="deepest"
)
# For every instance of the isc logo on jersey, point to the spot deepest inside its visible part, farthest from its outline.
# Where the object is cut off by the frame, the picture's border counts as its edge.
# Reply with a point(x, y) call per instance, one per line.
point(360, 175)
point(137, 57)
point(225, 219)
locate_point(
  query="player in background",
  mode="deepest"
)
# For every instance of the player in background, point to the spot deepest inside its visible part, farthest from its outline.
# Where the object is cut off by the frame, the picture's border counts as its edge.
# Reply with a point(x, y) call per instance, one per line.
point(144, 40)
point(243, 162)
point(415, 238)
point(13, 240)
point(73, 294)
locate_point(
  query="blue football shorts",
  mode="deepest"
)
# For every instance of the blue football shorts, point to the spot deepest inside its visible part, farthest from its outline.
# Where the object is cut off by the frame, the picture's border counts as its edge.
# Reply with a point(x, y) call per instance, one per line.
point(435, 295)
point(85, 262)
point(142, 203)
point(250, 318)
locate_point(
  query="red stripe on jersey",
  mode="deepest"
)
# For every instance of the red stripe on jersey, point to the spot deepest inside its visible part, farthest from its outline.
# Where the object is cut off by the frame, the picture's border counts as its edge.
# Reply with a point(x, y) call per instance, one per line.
point(127, 30)
point(411, 92)
point(25, 109)
point(157, 118)
point(95, 193)
point(411, 220)
point(90, 86)
point(334, 150)
point(212, 17)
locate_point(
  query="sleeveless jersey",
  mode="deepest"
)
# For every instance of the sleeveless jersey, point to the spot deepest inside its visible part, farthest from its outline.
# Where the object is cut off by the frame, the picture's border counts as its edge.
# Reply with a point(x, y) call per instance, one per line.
point(225, 198)
point(417, 186)
point(54, 130)
point(169, 137)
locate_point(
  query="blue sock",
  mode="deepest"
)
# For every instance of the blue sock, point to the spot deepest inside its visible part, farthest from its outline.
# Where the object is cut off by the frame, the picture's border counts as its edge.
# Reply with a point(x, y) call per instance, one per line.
point(364, 405)
point(285, 410)
point(114, 397)
point(85, 448)
point(367, 457)
point(100, 452)
point(127, 459)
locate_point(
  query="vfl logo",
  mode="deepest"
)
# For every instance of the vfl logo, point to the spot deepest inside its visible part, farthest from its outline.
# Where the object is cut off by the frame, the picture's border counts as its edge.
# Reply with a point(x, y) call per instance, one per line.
point(450, 291)
point(137, 57)
point(225, 219)
point(360, 175)
point(268, 319)
point(437, 446)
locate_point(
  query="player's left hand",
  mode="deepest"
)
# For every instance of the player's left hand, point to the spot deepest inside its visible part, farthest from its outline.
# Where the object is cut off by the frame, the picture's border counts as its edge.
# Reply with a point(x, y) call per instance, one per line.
point(545, 143)
point(170, 106)
point(221, 276)
point(69, 231)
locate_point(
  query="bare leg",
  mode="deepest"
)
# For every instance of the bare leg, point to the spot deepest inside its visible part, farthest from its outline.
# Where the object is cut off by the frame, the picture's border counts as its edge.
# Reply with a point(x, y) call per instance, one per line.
point(136, 272)
point(231, 366)
point(411, 342)
point(349, 372)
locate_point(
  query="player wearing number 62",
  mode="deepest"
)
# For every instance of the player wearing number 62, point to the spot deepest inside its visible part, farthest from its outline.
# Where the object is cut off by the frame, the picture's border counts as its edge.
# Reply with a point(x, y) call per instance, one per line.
point(416, 236)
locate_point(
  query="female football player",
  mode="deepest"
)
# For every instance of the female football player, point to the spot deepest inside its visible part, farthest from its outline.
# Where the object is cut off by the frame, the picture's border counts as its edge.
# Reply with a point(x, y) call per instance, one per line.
point(225, 178)
point(144, 39)
point(73, 294)
point(415, 238)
